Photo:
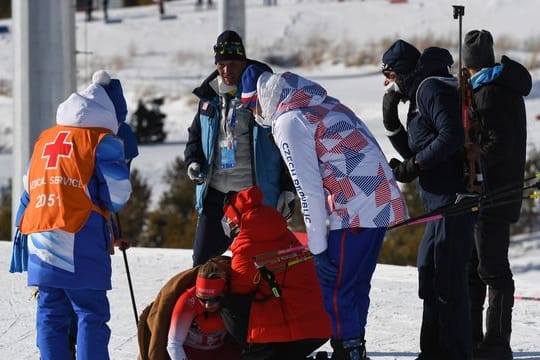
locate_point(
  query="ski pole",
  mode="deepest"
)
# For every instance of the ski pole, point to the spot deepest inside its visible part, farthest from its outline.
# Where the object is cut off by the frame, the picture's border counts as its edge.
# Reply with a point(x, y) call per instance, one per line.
point(474, 208)
point(496, 198)
point(119, 227)
point(530, 298)
point(424, 219)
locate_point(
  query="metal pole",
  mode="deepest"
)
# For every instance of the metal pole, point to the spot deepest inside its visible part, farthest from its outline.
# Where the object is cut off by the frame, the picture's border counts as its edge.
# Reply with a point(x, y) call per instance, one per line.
point(44, 75)
point(131, 292)
point(459, 12)
point(232, 16)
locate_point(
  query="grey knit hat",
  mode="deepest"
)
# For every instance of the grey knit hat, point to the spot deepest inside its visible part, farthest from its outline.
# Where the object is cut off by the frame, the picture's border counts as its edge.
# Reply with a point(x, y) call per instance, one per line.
point(478, 49)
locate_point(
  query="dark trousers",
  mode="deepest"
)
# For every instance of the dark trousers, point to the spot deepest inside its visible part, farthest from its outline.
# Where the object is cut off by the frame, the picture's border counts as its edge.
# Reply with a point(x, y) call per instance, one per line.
point(490, 269)
point(443, 284)
point(235, 310)
point(210, 240)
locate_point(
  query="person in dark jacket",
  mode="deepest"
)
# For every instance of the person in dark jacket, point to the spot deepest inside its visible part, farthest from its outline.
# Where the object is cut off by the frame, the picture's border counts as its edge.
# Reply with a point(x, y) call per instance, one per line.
point(498, 91)
point(432, 148)
point(226, 151)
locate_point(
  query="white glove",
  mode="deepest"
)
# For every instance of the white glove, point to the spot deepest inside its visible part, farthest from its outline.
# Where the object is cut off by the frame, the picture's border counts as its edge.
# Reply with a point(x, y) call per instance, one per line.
point(194, 173)
point(285, 204)
point(176, 351)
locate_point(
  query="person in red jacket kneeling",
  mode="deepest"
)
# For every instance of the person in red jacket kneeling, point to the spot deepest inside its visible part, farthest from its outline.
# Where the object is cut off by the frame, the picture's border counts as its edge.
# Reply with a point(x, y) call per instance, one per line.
point(288, 322)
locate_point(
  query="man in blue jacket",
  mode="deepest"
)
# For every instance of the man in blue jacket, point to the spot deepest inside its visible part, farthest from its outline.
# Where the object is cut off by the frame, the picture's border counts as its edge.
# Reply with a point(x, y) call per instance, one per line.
point(226, 150)
point(431, 145)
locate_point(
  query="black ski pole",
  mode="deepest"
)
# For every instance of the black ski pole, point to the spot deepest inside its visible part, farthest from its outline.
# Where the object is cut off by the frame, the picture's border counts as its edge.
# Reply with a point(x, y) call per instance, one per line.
point(119, 228)
point(472, 204)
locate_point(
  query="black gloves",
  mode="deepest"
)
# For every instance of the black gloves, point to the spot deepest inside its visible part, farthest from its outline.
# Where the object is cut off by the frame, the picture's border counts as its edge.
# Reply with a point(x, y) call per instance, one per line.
point(390, 110)
point(405, 171)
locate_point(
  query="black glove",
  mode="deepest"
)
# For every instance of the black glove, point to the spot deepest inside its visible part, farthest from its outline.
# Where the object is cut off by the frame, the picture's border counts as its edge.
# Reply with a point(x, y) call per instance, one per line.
point(390, 110)
point(405, 171)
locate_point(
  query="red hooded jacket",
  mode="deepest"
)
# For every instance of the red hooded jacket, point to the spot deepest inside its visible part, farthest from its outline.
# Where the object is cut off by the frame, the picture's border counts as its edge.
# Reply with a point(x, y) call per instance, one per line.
point(299, 312)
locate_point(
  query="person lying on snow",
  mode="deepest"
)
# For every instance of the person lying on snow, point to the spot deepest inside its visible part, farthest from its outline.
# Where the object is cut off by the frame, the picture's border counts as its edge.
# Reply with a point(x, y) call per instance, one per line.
point(197, 331)
point(287, 321)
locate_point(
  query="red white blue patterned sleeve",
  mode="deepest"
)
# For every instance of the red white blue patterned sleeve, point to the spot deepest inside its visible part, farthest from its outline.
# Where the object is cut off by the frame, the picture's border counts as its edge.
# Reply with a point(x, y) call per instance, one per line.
point(296, 143)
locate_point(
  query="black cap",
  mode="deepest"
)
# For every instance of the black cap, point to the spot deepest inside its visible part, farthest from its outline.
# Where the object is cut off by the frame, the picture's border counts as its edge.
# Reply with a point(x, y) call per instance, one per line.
point(400, 57)
point(478, 50)
point(229, 46)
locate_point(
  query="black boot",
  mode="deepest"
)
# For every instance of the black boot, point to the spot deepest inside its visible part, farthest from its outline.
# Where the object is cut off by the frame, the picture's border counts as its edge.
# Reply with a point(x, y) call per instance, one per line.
point(351, 349)
point(496, 344)
point(477, 295)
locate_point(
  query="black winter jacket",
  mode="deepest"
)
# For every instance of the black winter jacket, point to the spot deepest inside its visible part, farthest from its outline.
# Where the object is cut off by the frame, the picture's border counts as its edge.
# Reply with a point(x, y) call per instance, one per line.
point(500, 108)
point(434, 134)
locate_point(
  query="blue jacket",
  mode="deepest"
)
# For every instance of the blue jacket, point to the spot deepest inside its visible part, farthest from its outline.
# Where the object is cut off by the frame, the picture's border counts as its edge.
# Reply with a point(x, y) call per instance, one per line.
point(434, 134)
point(270, 174)
point(81, 260)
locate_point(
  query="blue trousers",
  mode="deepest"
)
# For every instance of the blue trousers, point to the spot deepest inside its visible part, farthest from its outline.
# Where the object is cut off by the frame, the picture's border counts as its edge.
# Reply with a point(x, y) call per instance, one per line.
point(442, 262)
point(54, 314)
point(347, 301)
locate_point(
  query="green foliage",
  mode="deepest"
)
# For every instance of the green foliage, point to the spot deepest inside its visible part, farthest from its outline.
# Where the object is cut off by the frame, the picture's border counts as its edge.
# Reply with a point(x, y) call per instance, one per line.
point(133, 216)
point(173, 224)
point(529, 220)
point(138, 2)
point(5, 212)
point(5, 9)
point(401, 244)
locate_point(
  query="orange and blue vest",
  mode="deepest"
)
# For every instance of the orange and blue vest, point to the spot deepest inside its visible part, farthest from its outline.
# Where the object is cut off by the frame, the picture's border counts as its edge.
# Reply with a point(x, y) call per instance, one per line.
point(61, 166)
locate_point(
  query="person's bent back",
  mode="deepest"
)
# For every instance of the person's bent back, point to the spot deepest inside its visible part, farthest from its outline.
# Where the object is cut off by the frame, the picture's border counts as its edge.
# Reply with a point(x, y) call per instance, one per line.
point(295, 322)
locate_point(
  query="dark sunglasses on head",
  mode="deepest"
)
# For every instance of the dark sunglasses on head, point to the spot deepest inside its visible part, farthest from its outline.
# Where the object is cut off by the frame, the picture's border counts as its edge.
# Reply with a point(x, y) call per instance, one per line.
point(230, 48)
point(388, 71)
point(212, 300)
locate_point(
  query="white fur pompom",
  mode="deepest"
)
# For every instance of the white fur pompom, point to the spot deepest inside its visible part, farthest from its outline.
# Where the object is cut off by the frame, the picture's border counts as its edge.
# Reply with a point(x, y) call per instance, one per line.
point(101, 77)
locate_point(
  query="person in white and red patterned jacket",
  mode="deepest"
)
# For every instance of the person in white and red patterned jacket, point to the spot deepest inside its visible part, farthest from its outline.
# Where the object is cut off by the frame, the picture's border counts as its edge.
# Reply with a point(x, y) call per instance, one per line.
point(343, 180)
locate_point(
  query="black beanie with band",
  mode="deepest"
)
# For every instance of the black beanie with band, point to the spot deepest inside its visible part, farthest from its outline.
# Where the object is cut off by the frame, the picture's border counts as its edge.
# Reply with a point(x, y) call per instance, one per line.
point(401, 57)
point(229, 46)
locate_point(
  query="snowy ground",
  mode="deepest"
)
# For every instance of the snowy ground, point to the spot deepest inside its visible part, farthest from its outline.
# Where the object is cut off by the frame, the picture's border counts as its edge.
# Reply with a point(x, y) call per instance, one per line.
point(169, 58)
point(393, 323)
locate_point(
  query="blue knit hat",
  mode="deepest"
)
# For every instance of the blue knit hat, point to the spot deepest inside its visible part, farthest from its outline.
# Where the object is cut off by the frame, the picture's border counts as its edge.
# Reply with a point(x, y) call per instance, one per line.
point(401, 57)
point(249, 85)
point(114, 90)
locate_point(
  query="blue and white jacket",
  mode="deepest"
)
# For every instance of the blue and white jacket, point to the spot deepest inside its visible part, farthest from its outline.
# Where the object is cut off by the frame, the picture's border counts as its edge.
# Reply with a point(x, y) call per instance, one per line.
point(82, 260)
point(269, 173)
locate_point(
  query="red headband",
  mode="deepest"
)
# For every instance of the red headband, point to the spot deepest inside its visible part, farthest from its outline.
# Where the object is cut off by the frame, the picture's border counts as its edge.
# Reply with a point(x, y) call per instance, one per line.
point(209, 287)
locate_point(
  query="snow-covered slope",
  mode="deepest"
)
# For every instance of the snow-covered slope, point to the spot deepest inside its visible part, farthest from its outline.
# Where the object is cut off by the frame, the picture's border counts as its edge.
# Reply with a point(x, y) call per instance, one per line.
point(393, 323)
point(154, 58)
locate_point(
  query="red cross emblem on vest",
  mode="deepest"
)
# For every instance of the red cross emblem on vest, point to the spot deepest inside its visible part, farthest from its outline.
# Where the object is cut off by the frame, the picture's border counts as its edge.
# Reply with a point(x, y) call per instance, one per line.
point(53, 151)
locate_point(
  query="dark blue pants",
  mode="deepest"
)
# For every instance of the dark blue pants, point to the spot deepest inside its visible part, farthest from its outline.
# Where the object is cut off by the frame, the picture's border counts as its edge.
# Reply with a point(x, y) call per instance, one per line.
point(347, 301)
point(442, 262)
point(210, 240)
point(54, 315)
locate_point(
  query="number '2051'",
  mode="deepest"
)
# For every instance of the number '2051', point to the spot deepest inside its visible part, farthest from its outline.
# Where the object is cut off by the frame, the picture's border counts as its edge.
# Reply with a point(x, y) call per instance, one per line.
point(47, 200)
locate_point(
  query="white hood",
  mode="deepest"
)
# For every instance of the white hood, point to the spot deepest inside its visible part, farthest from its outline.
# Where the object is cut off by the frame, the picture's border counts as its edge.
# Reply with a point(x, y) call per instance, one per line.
point(91, 107)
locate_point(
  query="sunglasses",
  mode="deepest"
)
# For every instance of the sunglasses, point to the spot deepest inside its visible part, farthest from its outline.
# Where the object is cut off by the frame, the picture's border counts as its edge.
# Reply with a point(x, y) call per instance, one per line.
point(212, 300)
point(388, 71)
point(231, 48)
